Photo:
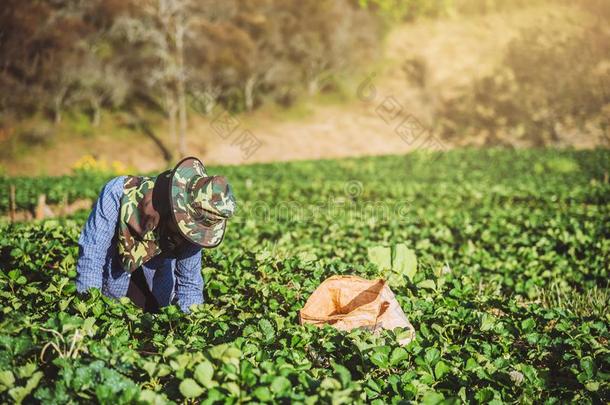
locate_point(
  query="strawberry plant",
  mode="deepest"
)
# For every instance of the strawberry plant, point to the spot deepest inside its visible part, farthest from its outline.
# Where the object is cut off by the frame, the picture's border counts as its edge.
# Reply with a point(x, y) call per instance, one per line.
point(471, 241)
point(63, 189)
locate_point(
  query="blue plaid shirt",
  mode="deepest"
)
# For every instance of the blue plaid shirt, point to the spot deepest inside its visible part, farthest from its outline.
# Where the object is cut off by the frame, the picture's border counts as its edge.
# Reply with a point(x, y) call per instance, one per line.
point(99, 264)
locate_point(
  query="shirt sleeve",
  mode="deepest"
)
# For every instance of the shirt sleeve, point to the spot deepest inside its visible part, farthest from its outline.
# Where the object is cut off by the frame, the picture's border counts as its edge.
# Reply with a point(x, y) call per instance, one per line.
point(189, 281)
point(97, 235)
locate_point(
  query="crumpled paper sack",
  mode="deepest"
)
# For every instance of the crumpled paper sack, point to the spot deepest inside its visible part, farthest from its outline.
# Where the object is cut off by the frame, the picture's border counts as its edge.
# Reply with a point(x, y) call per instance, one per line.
point(348, 302)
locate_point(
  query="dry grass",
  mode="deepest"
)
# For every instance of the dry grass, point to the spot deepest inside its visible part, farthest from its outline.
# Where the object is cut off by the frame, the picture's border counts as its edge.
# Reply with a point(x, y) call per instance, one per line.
point(594, 302)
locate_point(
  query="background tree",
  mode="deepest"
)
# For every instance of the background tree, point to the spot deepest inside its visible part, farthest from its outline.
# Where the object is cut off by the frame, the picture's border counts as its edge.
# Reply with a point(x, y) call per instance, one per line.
point(156, 55)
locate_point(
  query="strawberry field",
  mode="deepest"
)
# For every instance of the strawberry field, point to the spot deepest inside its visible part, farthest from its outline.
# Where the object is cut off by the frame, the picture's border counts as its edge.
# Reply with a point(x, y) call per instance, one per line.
point(509, 298)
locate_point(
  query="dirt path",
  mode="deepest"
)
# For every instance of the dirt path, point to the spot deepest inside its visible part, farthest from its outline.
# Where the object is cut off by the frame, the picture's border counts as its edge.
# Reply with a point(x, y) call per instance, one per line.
point(446, 54)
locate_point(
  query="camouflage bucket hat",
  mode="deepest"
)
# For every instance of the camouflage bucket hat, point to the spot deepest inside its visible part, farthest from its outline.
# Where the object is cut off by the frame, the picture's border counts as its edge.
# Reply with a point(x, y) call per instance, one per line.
point(200, 204)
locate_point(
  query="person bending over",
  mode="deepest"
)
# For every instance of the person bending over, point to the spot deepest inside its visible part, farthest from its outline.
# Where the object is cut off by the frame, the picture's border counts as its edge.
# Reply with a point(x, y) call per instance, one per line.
point(144, 236)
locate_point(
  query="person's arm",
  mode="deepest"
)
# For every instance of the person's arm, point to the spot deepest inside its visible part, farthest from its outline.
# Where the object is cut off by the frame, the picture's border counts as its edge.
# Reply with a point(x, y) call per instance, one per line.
point(97, 235)
point(189, 282)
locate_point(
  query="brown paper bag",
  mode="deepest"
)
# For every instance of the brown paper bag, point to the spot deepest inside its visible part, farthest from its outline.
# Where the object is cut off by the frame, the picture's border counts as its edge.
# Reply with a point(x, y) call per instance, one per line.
point(348, 302)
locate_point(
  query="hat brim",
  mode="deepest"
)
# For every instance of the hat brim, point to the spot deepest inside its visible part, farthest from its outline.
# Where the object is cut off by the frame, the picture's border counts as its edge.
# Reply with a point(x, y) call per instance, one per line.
point(208, 236)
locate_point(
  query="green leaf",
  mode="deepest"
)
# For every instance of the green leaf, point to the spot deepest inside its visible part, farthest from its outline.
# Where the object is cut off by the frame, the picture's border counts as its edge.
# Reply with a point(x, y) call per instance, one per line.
point(267, 329)
point(592, 386)
point(263, 394)
point(398, 355)
point(484, 395)
point(34, 380)
point(432, 398)
point(380, 359)
point(26, 370)
point(7, 379)
point(280, 384)
point(19, 393)
point(232, 387)
point(330, 384)
point(471, 364)
point(232, 353)
point(427, 284)
point(170, 351)
point(218, 351)
point(487, 322)
point(528, 325)
point(152, 398)
point(190, 389)
point(432, 356)
point(214, 396)
point(380, 256)
point(441, 369)
point(404, 263)
point(150, 367)
point(372, 384)
point(343, 373)
point(204, 373)
point(163, 370)
point(586, 363)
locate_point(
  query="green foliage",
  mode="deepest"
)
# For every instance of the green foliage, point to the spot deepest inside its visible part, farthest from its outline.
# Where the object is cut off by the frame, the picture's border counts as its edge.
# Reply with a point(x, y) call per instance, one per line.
point(381, 256)
point(57, 189)
point(394, 263)
point(404, 261)
point(489, 233)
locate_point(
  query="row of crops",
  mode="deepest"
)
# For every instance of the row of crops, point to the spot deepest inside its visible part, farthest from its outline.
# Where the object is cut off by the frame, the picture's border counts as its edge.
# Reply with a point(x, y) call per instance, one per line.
point(58, 190)
point(510, 298)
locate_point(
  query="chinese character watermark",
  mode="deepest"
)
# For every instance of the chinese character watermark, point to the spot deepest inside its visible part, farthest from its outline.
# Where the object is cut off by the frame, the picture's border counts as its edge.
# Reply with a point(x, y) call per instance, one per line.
point(228, 126)
point(405, 125)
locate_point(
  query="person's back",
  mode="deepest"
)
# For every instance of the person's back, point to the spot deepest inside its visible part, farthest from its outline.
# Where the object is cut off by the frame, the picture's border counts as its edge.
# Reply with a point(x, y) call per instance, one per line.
point(144, 236)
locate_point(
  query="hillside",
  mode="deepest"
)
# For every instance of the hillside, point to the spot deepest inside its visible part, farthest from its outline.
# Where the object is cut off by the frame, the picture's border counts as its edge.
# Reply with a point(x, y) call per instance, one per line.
point(425, 64)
